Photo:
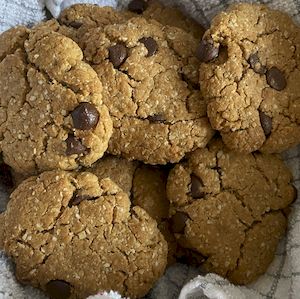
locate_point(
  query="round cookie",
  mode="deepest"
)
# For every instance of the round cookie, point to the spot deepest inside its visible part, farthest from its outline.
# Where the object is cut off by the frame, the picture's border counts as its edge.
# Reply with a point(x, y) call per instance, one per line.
point(51, 113)
point(119, 170)
point(249, 77)
point(146, 186)
point(77, 234)
point(230, 208)
point(81, 17)
point(149, 75)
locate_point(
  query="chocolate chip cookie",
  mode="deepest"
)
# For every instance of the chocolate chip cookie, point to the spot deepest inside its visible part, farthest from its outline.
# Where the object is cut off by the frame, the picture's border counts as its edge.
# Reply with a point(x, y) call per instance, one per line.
point(249, 77)
point(73, 235)
point(84, 16)
point(51, 113)
point(146, 186)
point(81, 17)
point(229, 208)
point(149, 74)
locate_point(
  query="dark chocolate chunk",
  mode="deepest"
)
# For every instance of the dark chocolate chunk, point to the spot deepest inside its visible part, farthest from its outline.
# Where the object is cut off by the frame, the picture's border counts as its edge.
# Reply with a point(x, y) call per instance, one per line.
point(74, 146)
point(85, 116)
point(276, 78)
point(207, 51)
point(117, 54)
point(266, 123)
point(150, 44)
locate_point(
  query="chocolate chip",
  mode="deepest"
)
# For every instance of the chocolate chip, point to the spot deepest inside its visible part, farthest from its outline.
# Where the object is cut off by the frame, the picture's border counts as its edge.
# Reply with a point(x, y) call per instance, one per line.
point(58, 289)
point(256, 65)
point(74, 146)
point(77, 199)
point(207, 50)
point(276, 79)
point(75, 24)
point(266, 123)
point(196, 187)
point(156, 118)
point(85, 116)
point(178, 222)
point(137, 6)
point(150, 44)
point(117, 54)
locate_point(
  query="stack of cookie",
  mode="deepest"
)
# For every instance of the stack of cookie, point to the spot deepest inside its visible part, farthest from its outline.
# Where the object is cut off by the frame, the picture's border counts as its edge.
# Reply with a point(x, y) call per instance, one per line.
point(123, 165)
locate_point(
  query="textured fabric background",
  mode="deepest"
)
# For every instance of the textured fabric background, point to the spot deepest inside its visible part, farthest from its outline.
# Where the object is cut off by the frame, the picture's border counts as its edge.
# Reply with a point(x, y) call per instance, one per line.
point(282, 279)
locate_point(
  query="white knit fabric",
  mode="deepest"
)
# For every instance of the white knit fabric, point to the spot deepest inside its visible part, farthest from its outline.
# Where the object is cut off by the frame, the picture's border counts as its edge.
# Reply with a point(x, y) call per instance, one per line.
point(282, 279)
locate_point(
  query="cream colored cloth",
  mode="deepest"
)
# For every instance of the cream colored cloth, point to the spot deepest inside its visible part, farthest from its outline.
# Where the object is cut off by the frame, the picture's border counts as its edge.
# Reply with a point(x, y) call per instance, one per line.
point(282, 279)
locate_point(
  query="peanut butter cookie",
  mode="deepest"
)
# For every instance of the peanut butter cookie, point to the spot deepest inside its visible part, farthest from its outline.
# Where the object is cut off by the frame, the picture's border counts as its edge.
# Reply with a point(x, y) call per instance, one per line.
point(51, 112)
point(150, 75)
point(229, 208)
point(249, 77)
point(73, 235)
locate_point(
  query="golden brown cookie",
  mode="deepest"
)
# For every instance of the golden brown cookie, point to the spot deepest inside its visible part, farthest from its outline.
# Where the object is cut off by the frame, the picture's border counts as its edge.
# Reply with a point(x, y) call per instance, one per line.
point(119, 170)
point(77, 234)
point(249, 77)
point(229, 208)
point(149, 75)
point(146, 186)
point(81, 17)
point(169, 16)
point(51, 113)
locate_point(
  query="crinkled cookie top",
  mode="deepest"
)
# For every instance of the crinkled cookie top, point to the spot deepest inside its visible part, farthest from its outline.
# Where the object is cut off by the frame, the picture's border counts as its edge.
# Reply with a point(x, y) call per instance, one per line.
point(230, 208)
point(149, 74)
point(249, 77)
point(78, 234)
point(51, 113)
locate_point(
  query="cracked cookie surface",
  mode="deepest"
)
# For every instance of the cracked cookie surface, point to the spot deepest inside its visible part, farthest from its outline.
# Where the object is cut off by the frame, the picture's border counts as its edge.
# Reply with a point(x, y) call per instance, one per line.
point(150, 86)
point(171, 16)
point(73, 230)
point(81, 17)
point(146, 187)
point(229, 208)
point(51, 113)
point(249, 77)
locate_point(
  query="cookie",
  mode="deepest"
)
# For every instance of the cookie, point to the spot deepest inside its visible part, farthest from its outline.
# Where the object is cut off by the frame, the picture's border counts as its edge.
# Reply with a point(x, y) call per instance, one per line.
point(119, 170)
point(228, 207)
point(149, 193)
point(51, 113)
point(81, 17)
point(169, 16)
point(73, 235)
point(249, 77)
point(146, 187)
point(149, 75)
